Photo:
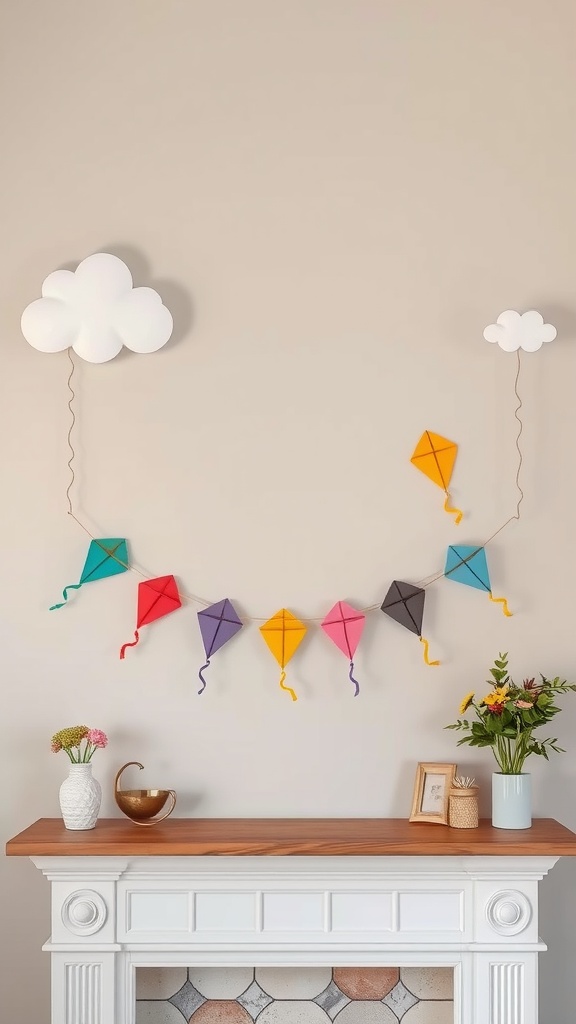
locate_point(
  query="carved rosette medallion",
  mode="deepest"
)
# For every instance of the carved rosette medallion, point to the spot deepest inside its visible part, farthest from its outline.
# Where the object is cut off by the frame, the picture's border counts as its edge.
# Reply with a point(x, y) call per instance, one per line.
point(84, 912)
point(509, 912)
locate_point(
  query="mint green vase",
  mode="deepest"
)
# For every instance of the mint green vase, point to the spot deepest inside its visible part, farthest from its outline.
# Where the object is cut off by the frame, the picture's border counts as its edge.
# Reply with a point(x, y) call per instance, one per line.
point(511, 800)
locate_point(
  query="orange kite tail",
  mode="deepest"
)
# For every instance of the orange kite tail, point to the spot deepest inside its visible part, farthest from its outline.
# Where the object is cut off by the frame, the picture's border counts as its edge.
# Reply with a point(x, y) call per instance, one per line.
point(424, 641)
point(503, 602)
point(453, 511)
point(287, 688)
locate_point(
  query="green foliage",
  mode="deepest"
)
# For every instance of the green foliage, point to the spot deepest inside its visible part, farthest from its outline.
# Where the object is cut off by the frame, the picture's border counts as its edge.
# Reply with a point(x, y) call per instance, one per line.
point(507, 717)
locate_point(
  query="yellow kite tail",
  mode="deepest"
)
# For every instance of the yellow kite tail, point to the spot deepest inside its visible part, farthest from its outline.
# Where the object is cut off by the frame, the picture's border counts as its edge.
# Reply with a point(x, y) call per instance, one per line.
point(503, 602)
point(287, 688)
point(453, 511)
point(425, 652)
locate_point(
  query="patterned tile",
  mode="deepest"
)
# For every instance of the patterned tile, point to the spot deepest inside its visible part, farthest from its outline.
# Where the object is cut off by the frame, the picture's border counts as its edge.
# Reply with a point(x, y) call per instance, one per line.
point(363, 1011)
point(159, 982)
point(287, 995)
point(293, 1011)
point(400, 1000)
point(157, 1011)
point(254, 1000)
point(429, 982)
point(431, 1011)
point(221, 1011)
point(187, 999)
point(293, 982)
point(221, 982)
point(366, 982)
point(332, 1000)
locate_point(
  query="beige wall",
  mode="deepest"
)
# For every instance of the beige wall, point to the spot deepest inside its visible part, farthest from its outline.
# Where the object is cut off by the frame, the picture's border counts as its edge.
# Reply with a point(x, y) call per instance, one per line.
point(334, 198)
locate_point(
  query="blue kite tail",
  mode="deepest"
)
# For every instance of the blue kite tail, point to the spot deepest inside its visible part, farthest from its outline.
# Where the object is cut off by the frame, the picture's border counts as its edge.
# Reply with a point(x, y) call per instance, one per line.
point(201, 677)
point(352, 680)
point(71, 586)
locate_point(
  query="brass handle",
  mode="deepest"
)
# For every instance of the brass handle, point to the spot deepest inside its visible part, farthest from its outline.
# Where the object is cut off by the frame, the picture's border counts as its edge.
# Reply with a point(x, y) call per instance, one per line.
point(156, 821)
point(123, 769)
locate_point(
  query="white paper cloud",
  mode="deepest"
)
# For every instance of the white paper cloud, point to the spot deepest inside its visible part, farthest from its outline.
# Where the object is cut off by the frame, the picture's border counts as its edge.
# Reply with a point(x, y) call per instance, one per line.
point(96, 310)
point(513, 331)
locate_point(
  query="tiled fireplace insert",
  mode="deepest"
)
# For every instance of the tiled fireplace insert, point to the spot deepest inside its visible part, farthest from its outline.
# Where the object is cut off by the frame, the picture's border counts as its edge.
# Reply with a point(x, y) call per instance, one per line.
point(294, 995)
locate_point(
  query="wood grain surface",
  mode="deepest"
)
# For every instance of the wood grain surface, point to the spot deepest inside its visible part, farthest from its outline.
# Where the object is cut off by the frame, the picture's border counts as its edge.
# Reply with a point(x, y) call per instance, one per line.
point(274, 837)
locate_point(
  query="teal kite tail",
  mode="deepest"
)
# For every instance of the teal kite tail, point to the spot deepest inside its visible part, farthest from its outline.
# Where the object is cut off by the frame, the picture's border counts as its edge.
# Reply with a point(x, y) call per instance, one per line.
point(71, 586)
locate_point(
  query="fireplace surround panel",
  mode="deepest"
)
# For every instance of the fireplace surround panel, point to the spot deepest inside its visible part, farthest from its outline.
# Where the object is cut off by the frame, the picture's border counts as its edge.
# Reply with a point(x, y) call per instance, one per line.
point(126, 900)
point(477, 916)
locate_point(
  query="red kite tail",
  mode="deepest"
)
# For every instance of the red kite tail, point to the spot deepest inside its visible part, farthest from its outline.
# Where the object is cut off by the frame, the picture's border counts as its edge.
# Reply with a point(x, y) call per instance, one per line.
point(131, 644)
point(71, 586)
point(287, 688)
point(453, 511)
point(352, 680)
point(201, 677)
point(503, 602)
point(424, 641)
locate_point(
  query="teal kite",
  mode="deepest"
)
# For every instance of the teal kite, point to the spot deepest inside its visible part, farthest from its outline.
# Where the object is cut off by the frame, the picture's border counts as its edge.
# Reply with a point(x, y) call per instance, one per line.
point(107, 556)
point(468, 565)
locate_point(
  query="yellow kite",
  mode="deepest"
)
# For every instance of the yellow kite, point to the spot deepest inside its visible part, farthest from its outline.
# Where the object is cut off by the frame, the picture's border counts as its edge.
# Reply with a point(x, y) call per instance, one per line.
point(283, 633)
point(435, 456)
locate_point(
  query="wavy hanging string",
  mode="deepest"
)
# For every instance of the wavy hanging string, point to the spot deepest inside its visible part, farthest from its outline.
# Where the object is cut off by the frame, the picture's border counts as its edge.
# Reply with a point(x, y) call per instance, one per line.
point(197, 600)
point(518, 436)
point(71, 401)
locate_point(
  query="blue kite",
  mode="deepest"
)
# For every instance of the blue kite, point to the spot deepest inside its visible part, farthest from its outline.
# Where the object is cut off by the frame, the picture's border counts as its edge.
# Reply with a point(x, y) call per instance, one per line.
point(466, 564)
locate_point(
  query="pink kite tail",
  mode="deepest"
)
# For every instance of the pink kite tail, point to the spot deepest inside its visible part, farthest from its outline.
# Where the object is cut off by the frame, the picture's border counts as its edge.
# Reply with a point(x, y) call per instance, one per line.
point(202, 677)
point(131, 644)
point(352, 680)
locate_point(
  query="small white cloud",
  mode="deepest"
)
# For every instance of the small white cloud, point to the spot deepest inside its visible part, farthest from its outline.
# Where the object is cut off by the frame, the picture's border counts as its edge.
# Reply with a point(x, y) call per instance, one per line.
point(96, 310)
point(513, 331)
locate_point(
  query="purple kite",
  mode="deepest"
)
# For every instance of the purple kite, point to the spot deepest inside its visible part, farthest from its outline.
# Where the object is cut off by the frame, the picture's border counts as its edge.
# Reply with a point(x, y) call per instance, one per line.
point(218, 624)
point(344, 626)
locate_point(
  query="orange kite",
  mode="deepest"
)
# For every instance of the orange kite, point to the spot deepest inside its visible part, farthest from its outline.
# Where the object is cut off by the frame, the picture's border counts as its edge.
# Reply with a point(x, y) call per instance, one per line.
point(283, 633)
point(435, 456)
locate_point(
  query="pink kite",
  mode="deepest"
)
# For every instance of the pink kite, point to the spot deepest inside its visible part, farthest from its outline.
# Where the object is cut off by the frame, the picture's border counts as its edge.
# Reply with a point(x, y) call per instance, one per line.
point(344, 626)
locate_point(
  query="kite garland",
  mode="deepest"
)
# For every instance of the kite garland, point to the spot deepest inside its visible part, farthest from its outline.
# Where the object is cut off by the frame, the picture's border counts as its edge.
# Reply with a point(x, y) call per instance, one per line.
point(142, 323)
point(464, 555)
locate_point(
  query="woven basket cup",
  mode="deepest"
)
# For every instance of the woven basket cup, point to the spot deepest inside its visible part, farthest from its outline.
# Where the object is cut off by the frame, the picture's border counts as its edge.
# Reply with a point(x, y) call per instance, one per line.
point(463, 808)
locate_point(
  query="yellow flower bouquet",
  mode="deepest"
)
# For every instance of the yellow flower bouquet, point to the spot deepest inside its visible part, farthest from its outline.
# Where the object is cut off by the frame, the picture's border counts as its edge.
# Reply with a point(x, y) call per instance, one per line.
point(508, 715)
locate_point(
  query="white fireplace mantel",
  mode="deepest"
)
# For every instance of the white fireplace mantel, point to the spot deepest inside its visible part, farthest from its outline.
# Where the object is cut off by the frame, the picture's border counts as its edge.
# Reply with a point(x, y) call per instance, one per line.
point(113, 912)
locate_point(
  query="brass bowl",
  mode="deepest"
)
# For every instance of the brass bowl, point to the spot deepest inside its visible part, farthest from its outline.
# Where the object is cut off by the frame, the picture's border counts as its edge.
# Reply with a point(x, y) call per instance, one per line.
point(142, 805)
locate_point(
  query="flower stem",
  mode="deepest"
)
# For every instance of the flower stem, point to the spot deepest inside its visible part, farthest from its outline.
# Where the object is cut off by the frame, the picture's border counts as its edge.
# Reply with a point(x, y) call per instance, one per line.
point(511, 753)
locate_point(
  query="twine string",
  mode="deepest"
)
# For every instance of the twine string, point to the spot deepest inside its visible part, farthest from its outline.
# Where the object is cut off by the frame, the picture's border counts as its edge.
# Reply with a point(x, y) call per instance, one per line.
point(518, 436)
point(71, 430)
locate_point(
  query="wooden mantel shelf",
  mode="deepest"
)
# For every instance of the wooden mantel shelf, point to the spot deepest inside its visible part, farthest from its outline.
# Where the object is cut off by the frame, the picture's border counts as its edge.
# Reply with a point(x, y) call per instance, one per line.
point(273, 837)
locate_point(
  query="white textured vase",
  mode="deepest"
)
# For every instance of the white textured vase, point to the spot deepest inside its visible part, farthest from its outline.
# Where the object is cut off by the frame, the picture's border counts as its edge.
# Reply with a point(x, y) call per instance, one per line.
point(80, 798)
point(511, 800)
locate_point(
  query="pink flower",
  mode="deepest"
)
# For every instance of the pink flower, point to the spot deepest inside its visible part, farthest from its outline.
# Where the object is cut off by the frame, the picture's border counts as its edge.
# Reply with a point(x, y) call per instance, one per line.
point(97, 738)
point(55, 746)
point(525, 704)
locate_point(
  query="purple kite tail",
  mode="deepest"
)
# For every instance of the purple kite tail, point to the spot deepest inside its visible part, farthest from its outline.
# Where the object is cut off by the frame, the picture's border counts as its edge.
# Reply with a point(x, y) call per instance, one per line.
point(131, 644)
point(201, 677)
point(71, 586)
point(352, 680)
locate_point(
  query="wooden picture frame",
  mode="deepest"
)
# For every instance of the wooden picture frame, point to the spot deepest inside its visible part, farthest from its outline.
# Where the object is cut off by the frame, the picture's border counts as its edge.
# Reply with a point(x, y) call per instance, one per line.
point(432, 792)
